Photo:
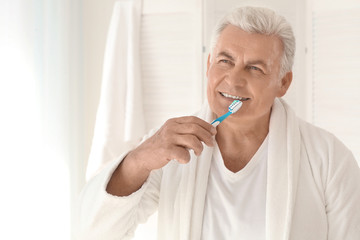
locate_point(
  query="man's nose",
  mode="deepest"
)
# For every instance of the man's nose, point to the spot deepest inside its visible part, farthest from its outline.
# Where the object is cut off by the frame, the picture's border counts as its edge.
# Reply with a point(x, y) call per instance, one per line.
point(237, 77)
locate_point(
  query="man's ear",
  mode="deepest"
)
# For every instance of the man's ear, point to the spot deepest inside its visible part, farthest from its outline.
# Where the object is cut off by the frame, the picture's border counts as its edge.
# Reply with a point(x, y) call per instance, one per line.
point(208, 64)
point(285, 83)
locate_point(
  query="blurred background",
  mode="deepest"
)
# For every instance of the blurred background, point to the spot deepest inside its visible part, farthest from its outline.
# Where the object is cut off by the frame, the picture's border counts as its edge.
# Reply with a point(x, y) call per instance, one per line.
point(52, 55)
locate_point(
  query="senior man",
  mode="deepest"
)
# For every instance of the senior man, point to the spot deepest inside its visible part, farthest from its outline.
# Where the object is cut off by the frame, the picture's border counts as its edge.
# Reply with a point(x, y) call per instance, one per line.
point(261, 174)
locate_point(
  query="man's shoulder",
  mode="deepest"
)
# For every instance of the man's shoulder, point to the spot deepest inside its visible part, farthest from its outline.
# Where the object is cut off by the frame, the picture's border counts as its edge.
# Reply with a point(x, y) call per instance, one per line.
point(315, 131)
point(321, 141)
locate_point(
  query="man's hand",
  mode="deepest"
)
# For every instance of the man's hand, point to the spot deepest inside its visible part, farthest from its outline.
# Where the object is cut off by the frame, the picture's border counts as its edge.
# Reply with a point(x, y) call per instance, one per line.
point(172, 141)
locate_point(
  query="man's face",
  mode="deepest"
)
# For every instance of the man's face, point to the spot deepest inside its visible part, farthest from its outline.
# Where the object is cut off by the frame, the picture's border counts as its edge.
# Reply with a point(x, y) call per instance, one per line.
point(245, 65)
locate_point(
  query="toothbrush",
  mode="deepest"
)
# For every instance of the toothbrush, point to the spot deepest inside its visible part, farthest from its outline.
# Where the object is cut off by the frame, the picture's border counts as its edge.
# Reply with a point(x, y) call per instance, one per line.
point(233, 108)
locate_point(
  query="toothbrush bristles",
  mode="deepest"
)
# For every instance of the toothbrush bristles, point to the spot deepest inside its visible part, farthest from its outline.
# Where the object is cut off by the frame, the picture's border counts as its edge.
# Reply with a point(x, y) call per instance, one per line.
point(235, 106)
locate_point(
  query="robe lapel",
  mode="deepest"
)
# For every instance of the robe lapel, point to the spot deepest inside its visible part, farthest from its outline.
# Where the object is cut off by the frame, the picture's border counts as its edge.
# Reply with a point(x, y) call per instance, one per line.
point(283, 167)
point(193, 189)
point(202, 176)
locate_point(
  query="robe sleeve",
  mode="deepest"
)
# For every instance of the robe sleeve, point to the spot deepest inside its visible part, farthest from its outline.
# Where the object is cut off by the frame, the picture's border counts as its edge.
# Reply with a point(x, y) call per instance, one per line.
point(105, 216)
point(342, 194)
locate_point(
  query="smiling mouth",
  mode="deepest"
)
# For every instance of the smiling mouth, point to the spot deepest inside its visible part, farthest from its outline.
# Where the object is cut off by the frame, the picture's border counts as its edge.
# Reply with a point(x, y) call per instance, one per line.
point(234, 97)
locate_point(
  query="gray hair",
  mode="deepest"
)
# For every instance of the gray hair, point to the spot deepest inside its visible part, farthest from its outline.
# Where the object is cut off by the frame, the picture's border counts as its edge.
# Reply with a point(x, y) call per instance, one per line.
point(263, 21)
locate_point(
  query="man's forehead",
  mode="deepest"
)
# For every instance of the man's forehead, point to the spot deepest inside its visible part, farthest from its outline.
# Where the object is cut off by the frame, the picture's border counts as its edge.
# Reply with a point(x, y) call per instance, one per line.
point(234, 41)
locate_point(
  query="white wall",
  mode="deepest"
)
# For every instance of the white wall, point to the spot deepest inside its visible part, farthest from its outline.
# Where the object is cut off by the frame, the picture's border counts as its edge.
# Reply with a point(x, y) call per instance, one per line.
point(335, 69)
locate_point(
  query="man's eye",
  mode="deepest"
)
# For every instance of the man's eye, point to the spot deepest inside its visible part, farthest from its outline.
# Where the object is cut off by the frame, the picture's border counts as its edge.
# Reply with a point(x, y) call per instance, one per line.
point(224, 61)
point(254, 68)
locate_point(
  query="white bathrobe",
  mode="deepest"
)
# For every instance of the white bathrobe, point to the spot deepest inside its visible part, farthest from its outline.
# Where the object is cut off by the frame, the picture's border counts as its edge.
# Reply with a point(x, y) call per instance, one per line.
point(313, 190)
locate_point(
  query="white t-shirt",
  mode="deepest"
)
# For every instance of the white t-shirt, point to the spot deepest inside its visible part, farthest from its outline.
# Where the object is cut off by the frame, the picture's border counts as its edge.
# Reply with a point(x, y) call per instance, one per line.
point(235, 203)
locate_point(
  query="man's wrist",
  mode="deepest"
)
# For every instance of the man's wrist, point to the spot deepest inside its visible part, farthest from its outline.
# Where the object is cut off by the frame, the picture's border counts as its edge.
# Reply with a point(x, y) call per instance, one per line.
point(128, 177)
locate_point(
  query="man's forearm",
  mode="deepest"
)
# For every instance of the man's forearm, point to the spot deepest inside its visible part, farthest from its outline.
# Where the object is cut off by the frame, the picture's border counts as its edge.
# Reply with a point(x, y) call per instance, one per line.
point(128, 177)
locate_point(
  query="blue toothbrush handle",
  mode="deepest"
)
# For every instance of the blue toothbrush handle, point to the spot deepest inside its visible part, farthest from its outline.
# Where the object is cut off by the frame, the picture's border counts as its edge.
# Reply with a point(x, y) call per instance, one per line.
point(220, 119)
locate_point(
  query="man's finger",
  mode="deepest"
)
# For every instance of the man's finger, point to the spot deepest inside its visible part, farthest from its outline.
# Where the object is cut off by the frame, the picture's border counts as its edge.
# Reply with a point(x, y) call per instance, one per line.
point(196, 130)
point(180, 154)
point(190, 142)
point(191, 119)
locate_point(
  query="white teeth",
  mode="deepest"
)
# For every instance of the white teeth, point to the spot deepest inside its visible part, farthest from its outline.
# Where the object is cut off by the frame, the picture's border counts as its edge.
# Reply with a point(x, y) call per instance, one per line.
point(231, 96)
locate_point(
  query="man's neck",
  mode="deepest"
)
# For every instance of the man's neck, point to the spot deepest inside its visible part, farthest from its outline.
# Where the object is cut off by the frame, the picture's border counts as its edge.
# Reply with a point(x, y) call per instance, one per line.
point(233, 131)
point(239, 140)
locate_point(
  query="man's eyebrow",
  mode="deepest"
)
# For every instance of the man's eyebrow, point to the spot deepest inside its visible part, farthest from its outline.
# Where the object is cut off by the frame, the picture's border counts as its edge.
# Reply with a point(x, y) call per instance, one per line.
point(225, 54)
point(251, 62)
